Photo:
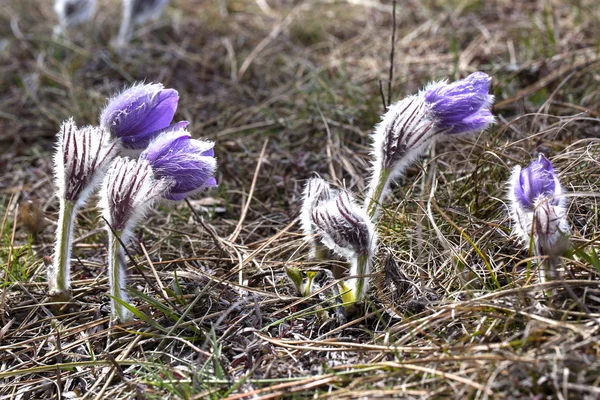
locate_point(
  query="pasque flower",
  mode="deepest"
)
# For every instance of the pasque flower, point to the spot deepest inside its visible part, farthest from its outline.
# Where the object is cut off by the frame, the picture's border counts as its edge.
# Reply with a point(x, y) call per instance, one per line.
point(410, 125)
point(129, 190)
point(140, 113)
point(81, 160)
point(345, 228)
point(190, 164)
point(172, 167)
point(538, 210)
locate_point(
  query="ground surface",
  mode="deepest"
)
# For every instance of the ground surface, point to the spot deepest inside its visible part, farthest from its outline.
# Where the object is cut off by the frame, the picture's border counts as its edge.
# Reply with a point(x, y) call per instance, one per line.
point(300, 79)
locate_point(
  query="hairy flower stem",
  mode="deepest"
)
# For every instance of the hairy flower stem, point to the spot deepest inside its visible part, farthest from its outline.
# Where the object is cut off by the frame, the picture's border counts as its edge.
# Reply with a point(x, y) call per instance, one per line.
point(59, 274)
point(362, 269)
point(377, 189)
point(116, 274)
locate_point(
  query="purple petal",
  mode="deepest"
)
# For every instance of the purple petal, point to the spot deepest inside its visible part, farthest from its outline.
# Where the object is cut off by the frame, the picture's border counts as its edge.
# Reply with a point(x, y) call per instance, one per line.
point(462, 106)
point(474, 123)
point(452, 110)
point(137, 114)
point(537, 180)
point(188, 163)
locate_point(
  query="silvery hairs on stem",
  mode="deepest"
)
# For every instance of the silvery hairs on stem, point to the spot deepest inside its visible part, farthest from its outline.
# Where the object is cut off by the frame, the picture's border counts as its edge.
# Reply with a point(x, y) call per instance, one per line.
point(345, 228)
point(538, 210)
point(73, 12)
point(137, 12)
point(81, 159)
point(410, 125)
point(316, 191)
point(139, 114)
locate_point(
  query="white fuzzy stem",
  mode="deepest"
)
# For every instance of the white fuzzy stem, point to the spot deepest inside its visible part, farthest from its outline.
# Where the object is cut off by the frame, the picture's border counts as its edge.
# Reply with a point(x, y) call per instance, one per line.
point(59, 274)
point(116, 278)
point(360, 266)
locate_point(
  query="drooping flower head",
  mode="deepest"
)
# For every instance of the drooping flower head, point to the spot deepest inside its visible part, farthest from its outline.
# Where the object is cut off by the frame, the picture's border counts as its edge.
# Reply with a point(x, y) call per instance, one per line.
point(440, 110)
point(129, 190)
point(188, 163)
point(140, 113)
point(345, 228)
point(81, 160)
point(316, 191)
point(538, 209)
point(74, 12)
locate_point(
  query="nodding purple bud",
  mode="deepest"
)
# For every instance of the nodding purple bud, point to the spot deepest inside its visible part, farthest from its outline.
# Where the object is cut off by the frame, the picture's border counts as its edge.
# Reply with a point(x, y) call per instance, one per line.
point(188, 163)
point(344, 226)
point(462, 106)
point(535, 181)
point(140, 113)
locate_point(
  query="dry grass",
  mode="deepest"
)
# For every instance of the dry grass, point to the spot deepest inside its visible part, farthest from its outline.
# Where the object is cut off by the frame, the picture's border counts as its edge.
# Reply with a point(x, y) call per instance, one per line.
point(467, 318)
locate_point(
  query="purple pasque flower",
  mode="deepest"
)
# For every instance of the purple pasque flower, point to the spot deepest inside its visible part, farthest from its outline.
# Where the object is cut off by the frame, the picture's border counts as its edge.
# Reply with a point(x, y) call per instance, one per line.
point(539, 212)
point(411, 124)
point(535, 181)
point(462, 106)
point(188, 163)
point(82, 157)
point(140, 113)
point(129, 190)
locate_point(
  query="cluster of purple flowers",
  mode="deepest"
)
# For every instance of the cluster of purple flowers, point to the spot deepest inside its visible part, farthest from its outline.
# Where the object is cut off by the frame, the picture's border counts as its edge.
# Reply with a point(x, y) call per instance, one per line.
point(408, 127)
point(141, 156)
point(164, 163)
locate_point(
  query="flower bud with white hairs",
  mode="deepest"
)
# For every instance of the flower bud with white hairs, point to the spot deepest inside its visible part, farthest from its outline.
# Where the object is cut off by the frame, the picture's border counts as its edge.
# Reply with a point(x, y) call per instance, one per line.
point(538, 210)
point(129, 190)
point(82, 157)
point(345, 228)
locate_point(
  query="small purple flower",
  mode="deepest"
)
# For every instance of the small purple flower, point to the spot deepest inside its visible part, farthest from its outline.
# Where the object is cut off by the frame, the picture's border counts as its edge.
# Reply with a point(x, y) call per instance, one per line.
point(535, 181)
point(539, 213)
point(140, 113)
point(462, 106)
point(189, 164)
